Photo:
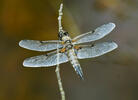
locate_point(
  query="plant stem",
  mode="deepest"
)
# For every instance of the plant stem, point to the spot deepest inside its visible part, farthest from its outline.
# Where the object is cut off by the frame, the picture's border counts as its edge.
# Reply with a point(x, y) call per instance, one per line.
point(57, 67)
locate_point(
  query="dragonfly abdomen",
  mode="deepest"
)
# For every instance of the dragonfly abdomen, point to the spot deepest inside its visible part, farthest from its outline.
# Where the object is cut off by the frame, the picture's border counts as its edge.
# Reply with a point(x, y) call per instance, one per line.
point(74, 61)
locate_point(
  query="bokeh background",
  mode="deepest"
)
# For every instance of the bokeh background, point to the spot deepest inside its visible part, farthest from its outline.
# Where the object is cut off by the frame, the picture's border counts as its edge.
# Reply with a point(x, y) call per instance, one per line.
point(113, 76)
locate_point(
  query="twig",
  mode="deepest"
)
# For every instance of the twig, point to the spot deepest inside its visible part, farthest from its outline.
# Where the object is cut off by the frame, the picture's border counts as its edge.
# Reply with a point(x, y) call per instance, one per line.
point(57, 68)
point(60, 17)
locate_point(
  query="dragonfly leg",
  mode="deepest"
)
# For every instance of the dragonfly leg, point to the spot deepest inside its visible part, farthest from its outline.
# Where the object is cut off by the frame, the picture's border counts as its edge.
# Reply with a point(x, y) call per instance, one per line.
point(74, 40)
point(63, 50)
point(77, 47)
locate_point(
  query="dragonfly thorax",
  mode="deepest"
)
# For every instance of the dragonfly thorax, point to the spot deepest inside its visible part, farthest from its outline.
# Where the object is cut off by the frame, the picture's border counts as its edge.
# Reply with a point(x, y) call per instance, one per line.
point(68, 46)
point(67, 41)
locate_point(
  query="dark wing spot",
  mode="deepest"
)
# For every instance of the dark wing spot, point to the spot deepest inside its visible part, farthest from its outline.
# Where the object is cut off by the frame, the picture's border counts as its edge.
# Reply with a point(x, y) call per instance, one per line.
point(41, 41)
point(80, 47)
point(93, 31)
point(92, 45)
point(46, 54)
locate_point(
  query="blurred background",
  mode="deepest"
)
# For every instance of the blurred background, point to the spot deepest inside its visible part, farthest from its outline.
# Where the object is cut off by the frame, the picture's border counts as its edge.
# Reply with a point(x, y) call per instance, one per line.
point(113, 76)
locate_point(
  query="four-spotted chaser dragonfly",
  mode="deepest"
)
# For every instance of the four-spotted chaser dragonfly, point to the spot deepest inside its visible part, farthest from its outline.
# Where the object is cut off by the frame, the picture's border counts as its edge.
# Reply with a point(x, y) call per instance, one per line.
point(69, 49)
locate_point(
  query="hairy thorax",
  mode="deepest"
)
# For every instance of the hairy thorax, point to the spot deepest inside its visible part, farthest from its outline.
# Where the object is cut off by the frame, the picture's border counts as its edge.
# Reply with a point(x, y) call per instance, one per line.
point(67, 43)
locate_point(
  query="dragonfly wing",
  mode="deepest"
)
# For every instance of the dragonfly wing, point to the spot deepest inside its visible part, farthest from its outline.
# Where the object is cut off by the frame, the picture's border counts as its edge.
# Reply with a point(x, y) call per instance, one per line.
point(97, 34)
point(45, 60)
point(37, 45)
point(89, 51)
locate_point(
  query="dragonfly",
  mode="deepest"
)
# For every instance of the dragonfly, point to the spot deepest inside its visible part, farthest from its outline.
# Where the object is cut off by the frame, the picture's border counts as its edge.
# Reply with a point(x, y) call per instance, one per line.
point(69, 49)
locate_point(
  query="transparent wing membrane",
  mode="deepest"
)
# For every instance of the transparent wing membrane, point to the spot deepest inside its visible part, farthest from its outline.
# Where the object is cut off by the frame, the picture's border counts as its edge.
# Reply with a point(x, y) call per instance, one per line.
point(40, 45)
point(45, 60)
point(97, 34)
point(86, 51)
point(91, 51)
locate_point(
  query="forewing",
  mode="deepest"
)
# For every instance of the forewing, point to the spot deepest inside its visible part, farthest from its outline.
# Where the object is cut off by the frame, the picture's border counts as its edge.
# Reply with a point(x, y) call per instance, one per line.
point(45, 60)
point(97, 34)
point(40, 45)
point(89, 51)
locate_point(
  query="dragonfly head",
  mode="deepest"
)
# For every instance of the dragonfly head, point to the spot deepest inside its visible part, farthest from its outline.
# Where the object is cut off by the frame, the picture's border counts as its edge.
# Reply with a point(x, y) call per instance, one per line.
point(62, 34)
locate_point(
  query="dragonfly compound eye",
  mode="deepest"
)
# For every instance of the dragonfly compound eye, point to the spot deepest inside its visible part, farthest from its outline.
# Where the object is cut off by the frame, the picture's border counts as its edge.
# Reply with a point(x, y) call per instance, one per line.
point(66, 33)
